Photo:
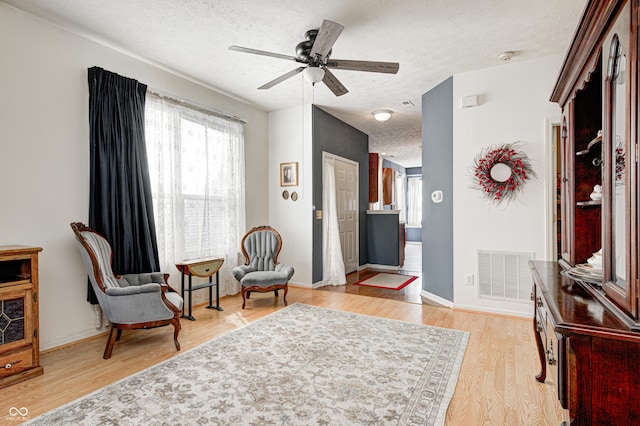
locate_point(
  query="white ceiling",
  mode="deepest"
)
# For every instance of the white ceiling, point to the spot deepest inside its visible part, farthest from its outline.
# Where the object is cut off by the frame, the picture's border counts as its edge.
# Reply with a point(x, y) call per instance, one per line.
point(431, 39)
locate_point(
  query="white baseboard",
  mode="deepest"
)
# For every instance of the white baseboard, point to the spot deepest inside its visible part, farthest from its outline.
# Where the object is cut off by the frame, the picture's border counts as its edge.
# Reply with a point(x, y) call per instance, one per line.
point(495, 311)
point(383, 267)
point(52, 344)
point(437, 300)
point(432, 298)
point(319, 284)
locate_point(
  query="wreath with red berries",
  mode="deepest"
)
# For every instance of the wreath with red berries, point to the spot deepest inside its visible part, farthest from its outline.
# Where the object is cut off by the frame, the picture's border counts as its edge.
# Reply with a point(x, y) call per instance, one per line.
point(499, 172)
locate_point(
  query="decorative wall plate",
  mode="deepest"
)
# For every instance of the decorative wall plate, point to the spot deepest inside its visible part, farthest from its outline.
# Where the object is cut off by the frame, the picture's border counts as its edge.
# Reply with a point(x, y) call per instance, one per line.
point(294, 196)
point(285, 194)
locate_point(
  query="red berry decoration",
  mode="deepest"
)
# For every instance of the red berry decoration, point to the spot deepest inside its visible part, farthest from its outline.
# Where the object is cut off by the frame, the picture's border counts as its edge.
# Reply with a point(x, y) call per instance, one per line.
point(511, 169)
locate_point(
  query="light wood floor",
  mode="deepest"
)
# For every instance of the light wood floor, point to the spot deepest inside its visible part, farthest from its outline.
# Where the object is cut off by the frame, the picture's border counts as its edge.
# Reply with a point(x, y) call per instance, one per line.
point(496, 384)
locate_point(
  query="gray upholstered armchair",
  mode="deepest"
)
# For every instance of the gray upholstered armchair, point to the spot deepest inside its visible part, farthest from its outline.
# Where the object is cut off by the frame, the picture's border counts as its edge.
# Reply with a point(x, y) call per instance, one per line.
point(131, 301)
point(261, 271)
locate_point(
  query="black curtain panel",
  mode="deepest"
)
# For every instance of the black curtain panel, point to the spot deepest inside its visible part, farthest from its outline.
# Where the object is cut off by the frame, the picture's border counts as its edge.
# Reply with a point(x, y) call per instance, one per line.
point(120, 203)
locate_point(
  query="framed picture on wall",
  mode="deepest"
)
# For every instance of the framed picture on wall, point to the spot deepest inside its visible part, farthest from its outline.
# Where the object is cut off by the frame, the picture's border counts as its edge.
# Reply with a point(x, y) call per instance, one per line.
point(288, 174)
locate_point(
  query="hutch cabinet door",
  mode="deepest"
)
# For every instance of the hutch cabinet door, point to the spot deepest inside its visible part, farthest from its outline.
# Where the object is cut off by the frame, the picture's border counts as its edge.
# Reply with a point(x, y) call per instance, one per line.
point(618, 274)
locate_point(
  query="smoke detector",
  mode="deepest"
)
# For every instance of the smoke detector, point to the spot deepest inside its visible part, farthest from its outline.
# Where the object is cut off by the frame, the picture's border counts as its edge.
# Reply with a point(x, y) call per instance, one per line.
point(506, 56)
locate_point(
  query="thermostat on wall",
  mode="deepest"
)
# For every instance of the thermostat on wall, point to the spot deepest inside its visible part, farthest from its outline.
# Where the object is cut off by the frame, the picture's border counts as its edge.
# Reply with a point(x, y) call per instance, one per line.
point(436, 196)
point(469, 101)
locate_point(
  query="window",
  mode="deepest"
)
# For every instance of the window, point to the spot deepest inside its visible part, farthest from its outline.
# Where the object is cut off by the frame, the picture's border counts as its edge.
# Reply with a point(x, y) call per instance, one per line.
point(414, 201)
point(196, 166)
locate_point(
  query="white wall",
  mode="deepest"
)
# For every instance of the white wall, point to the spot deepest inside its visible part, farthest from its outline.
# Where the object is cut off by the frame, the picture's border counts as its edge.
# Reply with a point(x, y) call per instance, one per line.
point(44, 154)
point(290, 139)
point(514, 106)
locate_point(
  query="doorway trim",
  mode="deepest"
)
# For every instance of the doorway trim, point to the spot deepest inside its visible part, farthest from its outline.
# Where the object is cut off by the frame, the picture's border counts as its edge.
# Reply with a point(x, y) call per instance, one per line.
point(550, 199)
point(327, 155)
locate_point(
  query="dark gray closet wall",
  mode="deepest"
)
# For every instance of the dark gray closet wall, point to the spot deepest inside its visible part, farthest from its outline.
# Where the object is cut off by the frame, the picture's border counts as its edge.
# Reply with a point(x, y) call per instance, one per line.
point(437, 163)
point(337, 137)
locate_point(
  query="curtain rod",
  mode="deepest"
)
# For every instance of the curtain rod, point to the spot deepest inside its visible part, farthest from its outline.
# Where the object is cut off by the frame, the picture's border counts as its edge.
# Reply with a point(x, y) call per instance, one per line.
point(197, 108)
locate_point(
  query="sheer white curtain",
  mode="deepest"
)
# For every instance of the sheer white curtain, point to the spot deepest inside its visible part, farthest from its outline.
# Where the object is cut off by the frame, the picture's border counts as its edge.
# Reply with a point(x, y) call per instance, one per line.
point(414, 201)
point(332, 262)
point(196, 166)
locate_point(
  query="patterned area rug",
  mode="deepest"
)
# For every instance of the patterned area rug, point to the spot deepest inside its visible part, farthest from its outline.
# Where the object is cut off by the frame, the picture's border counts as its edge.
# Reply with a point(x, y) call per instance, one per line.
point(390, 281)
point(301, 365)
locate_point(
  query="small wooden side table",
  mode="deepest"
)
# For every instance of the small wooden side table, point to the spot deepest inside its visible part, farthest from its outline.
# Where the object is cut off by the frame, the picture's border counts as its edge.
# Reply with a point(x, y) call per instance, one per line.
point(201, 268)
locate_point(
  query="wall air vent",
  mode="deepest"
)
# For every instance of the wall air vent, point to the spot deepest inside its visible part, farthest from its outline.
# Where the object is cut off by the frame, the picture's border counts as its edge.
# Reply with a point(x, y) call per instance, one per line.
point(504, 275)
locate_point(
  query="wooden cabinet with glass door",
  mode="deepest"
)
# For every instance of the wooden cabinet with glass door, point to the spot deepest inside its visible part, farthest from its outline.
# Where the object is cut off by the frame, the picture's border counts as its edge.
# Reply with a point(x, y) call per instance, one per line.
point(589, 297)
point(619, 199)
point(19, 297)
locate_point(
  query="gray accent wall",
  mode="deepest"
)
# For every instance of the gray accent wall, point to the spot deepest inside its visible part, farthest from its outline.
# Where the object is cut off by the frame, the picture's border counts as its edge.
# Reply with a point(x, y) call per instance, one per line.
point(392, 165)
point(338, 138)
point(414, 234)
point(437, 162)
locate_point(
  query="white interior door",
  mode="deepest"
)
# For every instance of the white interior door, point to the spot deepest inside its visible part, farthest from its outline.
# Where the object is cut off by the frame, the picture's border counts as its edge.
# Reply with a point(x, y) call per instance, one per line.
point(347, 204)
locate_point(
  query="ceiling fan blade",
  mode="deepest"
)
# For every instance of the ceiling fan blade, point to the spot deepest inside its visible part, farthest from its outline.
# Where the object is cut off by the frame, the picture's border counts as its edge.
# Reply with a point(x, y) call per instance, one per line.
point(281, 78)
point(262, 52)
point(333, 83)
point(369, 66)
point(327, 36)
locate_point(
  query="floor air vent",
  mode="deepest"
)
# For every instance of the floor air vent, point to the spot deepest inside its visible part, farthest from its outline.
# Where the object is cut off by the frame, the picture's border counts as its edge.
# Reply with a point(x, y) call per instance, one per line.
point(504, 275)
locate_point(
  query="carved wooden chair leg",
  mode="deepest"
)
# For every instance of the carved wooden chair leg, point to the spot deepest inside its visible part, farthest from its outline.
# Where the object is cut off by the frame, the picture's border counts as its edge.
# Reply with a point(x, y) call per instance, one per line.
point(119, 335)
point(176, 330)
point(284, 297)
point(244, 301)
point(275, 292)
point(110, 342)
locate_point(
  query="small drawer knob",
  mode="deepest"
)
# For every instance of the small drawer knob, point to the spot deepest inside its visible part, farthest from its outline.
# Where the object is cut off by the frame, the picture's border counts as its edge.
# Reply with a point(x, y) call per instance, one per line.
point(9, 365)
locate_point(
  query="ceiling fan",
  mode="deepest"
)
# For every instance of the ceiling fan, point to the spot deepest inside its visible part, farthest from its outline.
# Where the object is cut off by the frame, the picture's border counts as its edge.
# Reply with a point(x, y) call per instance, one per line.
point(315, 52)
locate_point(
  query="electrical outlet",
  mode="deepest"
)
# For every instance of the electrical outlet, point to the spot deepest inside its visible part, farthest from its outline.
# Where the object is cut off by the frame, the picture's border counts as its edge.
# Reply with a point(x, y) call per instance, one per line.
point(468, 279)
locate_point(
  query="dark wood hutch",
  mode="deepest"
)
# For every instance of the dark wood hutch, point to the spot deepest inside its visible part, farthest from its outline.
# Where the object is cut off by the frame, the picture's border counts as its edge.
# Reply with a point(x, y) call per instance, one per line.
point(588, 330)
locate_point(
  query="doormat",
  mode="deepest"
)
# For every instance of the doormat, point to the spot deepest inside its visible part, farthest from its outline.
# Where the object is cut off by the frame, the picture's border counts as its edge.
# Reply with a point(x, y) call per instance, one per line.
point(390, 281)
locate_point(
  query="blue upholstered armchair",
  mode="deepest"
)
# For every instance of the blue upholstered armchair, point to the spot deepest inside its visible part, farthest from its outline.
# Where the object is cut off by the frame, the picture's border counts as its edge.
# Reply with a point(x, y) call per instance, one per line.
point(131, 301)
point(261, 271)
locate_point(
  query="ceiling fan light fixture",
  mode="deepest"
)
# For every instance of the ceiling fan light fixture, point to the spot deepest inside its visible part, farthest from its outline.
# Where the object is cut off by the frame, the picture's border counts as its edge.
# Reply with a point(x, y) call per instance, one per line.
point(382, 115)
point(313, 74)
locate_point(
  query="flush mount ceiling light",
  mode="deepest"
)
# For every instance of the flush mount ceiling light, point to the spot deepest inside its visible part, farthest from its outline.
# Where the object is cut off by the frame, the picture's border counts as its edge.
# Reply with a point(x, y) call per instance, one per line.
point(382, 114)
point(506, 56)
point(313, 74)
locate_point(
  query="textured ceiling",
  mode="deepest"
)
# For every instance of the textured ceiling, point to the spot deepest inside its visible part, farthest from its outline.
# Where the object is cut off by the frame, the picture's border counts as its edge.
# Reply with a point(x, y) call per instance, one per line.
point(431, 39)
